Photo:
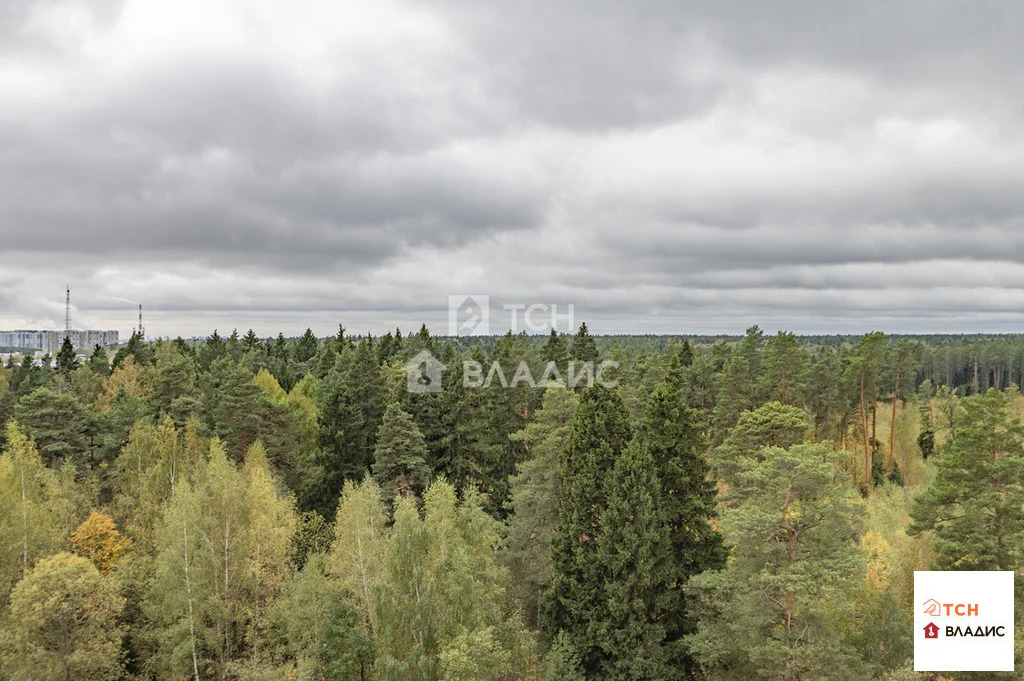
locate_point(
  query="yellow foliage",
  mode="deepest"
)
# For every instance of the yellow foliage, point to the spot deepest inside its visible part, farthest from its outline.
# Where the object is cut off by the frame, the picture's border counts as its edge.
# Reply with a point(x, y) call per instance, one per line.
point(98, 540)
point(877, 550)
point(267, 384)
point(129, 376)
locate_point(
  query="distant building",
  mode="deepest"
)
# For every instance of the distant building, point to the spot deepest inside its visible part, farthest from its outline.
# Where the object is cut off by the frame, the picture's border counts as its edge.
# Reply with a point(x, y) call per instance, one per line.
point(50, 341)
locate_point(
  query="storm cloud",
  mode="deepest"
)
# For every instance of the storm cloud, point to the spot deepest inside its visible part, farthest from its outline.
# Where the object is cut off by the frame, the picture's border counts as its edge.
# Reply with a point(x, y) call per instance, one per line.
point(662, 166)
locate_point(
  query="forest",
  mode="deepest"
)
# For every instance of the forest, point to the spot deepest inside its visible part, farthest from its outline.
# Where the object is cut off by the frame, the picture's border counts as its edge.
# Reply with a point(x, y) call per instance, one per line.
point(737, 508)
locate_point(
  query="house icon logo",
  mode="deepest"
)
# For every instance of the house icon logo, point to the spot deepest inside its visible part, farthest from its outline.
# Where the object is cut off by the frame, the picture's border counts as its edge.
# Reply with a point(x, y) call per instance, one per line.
point(931, 630)
point(932, 607)
point(469, 314)
point(423, 373)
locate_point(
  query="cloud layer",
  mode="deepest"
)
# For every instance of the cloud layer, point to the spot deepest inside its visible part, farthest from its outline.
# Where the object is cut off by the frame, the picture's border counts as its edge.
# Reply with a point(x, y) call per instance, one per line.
point(663, 168)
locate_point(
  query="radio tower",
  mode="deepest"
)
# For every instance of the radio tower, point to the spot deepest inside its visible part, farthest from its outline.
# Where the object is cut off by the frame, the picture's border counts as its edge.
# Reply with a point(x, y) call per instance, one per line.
point(67, 314)
point(142, 330)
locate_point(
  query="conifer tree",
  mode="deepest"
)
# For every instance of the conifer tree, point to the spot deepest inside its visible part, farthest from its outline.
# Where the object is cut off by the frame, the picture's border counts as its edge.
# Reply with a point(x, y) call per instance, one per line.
point(400, 465)
point(775, 610)
point(306, 347)
point(584, 348)
point(99, 361)
point(600, 432)
point(535, 490)
point(671, 433)
point(637, 592)
point(976, 504)
point(67, 359)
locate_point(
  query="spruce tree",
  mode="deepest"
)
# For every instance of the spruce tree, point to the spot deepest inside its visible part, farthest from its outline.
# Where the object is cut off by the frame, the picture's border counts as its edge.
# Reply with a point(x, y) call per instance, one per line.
point(671, 432)
point(638, 589)
point(584, 349)
point(67, 360)
point(99, 361)
point(306, 347)
point(600, 431)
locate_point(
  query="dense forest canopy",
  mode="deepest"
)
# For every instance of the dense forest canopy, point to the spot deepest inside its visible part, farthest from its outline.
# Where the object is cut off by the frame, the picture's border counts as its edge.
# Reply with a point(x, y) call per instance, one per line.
point(747, 507)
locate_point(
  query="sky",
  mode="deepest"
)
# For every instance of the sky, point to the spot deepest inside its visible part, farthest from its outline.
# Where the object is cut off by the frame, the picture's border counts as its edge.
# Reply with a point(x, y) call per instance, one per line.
point(661, 166)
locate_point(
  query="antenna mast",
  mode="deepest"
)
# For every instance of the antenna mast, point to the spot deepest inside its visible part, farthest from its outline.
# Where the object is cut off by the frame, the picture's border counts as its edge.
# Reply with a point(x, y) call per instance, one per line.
point(67, 313)
point(142, 329)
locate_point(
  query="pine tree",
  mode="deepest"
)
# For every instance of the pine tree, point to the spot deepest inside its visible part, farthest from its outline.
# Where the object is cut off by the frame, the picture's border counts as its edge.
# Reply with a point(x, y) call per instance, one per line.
point(59, 424)
point(535, 490)
point(737, 384)
point(770, 425)
point(976, 504)
point(400, 466)
point(174, 391)
point(775, 610)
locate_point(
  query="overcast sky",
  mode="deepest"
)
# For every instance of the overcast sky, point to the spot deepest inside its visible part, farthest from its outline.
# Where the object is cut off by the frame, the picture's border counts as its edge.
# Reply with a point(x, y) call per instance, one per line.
point(662, 166)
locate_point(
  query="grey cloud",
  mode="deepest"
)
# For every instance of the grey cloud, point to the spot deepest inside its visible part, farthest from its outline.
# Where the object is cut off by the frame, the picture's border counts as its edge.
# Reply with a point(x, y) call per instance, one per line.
point(661, 165)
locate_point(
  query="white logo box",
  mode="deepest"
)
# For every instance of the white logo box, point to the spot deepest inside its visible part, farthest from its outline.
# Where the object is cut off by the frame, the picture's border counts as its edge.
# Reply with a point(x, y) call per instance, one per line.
point(970, 610)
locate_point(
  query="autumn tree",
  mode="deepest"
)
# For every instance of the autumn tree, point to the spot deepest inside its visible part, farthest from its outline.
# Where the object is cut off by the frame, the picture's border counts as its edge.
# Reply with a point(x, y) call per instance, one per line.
point(64, 624)
point(98, 540)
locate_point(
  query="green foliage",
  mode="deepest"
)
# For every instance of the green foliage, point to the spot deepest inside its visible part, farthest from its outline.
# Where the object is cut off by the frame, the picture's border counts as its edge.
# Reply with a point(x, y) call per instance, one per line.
point(671, 433)
point(774, 611)
point(67, 358)
point(400, 467)
point(33, 509)
point(536, 488)
point(64, 624)
point(59, 424)
point(599, 435)
point(441, 595)
point(976, 504)
point(350, 407)
point(770, 425)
